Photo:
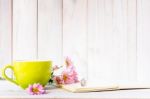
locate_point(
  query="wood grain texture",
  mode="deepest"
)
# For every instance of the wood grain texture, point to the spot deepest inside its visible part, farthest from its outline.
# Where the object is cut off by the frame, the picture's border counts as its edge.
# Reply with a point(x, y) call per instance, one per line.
point(107, 39)
point(24, 29)
point(100, 39)
point(10, 91)
point(5, 32)
point(75, 33)
point(92, 30)
point(119, 39)
point(143, 39)
point(112, 40)
point(125, 33)
point(131, 40)
point(50, 30)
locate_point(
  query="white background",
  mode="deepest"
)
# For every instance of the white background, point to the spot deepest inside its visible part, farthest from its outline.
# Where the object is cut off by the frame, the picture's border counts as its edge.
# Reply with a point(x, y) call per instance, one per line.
point(108, 40)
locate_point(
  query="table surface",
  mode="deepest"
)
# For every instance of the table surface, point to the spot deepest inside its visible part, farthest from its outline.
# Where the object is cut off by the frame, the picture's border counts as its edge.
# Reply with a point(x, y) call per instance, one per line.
point(10, 91)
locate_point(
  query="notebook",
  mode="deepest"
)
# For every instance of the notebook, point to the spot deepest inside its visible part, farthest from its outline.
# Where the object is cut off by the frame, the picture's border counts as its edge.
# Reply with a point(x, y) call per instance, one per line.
point(103, 87)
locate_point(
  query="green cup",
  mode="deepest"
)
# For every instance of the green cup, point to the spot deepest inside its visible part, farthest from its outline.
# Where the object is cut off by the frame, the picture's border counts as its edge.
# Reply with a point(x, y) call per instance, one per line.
point(29, 72)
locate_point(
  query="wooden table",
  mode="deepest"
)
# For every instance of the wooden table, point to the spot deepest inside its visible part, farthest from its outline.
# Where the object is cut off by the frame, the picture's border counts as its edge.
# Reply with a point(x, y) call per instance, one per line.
point(10, 91)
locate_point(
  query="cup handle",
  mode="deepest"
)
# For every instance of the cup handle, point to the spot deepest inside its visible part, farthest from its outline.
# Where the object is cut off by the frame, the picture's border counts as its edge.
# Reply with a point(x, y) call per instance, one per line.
point(6, 77)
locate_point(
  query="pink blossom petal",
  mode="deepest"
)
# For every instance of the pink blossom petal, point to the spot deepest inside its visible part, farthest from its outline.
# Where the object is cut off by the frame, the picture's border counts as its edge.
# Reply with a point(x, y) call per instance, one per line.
point(70, 75)
point(35, 89)
point(58, 80)
point(55, 67)
point(40, 87)
point(35, 85)
point(68, 79)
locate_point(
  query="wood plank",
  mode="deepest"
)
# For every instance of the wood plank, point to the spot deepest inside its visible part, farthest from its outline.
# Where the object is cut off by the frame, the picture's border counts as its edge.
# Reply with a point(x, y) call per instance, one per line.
point(24, 29)
point(5, 33)
point(112, 40)
point(131, 40)
point(100, 38)
point(125, 29)
point(143, 40)
point(9, 91)
point(75, 33)
point(119, 40)
point(92, 30)
point(50, 30)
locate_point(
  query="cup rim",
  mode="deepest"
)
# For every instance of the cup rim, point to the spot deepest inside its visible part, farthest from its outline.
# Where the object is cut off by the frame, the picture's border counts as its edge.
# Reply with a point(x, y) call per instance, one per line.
point(31, 61)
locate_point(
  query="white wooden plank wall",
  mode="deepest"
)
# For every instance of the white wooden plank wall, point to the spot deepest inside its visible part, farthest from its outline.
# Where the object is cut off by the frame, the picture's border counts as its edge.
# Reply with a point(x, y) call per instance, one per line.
point(143, 39)
point(5, 32)
point(75, 33)
point(100, 43)
point(119, 39)
point(92, 30)
point(131, 31)
point(112, 39)
point(50, 30)
point(107, 39)
point(24, 29)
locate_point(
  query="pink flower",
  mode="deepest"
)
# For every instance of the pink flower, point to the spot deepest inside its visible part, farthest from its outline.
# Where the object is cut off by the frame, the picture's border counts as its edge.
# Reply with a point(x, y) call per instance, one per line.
point(58, 80)
point(35, 89)
point(70, 77)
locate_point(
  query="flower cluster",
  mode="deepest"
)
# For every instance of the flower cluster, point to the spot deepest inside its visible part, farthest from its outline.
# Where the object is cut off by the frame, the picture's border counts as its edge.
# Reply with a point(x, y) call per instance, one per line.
point(68, 76)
